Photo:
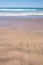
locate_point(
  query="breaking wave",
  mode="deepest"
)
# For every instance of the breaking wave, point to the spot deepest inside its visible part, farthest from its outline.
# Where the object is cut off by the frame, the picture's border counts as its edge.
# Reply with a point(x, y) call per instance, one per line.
point(20, 11)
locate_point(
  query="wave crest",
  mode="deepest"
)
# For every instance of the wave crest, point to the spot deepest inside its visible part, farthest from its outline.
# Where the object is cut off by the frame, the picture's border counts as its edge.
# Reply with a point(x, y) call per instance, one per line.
point(19, 14)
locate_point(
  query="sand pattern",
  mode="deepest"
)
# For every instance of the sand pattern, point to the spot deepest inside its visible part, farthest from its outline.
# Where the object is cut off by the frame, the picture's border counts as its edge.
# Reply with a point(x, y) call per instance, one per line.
point(20, 48)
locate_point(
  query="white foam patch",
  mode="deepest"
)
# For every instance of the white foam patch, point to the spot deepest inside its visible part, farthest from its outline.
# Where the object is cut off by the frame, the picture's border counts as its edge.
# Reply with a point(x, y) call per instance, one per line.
point(19, 14)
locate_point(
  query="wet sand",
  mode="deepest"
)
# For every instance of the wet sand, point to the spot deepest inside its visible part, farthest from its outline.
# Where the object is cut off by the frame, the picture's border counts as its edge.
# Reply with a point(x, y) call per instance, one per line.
point(21, 41)
point(22, 24)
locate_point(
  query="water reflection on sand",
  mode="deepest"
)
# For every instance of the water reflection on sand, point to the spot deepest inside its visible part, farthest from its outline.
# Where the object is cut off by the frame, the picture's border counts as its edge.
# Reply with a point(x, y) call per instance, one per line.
point(22, 23)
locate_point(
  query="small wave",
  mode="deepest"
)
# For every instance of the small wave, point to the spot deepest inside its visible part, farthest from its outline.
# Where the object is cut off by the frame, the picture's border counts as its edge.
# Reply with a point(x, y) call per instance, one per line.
point(18, 10)
point(21, 9)
point(20, 14)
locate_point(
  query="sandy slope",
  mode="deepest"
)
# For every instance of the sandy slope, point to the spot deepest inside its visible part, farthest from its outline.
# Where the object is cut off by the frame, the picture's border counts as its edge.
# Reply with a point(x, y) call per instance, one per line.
point(20, 48)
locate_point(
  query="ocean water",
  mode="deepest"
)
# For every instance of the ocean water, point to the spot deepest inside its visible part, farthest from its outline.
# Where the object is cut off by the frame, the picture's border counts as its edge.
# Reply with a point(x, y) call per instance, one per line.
point(21, 11)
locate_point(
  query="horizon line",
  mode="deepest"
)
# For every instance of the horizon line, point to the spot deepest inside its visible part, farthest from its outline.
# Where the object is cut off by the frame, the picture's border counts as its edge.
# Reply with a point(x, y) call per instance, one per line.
point(21, 7)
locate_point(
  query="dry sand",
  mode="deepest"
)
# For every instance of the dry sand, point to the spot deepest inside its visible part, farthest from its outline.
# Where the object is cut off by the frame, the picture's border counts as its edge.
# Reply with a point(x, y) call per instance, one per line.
point(20, 47)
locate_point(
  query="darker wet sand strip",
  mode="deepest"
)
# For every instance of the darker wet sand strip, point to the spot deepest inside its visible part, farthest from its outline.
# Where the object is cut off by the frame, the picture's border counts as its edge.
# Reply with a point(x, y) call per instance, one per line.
point(22, 24)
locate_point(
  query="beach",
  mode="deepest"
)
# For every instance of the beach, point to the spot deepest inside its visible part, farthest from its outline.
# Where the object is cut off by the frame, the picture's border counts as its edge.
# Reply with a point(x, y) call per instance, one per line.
point(21, 41)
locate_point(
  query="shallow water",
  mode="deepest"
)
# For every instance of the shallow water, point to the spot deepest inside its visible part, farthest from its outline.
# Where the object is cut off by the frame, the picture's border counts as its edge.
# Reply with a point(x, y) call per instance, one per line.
point(34, 23)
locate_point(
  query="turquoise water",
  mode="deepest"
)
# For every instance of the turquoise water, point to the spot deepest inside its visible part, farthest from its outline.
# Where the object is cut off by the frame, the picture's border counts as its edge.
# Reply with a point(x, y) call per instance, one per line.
point(20, 11)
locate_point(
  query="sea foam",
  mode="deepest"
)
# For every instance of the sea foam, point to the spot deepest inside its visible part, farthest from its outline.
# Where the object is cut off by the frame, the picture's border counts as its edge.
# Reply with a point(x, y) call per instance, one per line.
point(20, 11)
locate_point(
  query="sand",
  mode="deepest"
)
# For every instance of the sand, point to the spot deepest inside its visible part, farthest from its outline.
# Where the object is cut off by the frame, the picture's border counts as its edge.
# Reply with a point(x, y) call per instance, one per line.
point(21, 47)
point(22, 23)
